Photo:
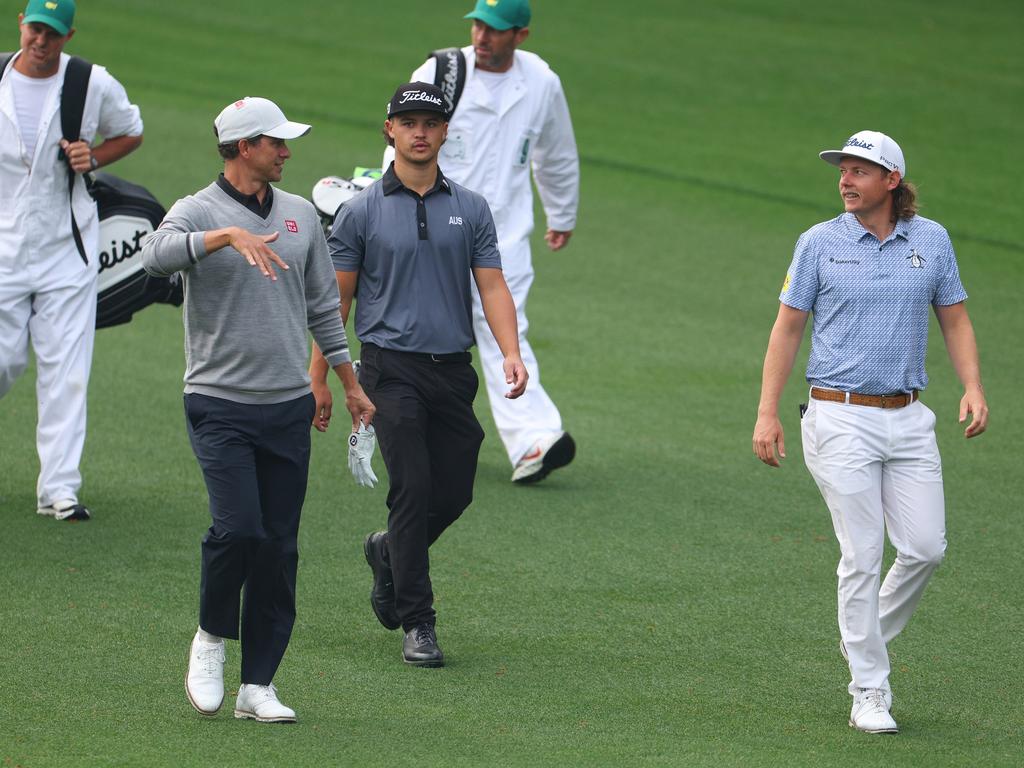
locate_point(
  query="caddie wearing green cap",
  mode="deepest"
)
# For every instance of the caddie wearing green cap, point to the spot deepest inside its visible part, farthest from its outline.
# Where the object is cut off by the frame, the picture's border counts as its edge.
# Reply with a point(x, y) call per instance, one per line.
point(48, 258)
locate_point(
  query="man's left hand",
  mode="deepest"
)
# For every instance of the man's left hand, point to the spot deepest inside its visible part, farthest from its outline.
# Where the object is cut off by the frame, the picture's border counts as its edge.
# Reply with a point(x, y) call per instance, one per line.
point(79, 155)
point(557, 240)
point(973, 404)
point(359, 405)
point(516, 375)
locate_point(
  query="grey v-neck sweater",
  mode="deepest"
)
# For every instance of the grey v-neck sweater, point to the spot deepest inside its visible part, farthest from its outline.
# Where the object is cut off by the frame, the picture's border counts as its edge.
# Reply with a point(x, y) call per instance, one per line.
point(245, 335)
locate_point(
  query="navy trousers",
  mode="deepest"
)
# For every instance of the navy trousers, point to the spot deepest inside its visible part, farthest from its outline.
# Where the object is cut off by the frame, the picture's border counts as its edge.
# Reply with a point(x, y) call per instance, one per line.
point(430, 439)
point(255, 461)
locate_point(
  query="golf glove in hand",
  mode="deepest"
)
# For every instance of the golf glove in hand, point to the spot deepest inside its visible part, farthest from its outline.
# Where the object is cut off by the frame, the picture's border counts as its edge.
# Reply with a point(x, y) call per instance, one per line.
point(360, 451)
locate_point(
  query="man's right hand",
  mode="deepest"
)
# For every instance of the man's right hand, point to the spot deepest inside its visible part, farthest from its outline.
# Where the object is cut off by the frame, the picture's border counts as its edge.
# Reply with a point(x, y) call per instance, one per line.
point(767, 435)
point(324, 403)
point(255, 250)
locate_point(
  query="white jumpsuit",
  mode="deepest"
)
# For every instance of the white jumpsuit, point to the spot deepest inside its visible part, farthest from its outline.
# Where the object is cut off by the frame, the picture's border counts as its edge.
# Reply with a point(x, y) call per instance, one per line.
point(47, 292)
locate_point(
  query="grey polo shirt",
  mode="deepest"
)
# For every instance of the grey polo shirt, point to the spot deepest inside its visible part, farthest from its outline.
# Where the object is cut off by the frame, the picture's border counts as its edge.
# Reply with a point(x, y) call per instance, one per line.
point(414, 256)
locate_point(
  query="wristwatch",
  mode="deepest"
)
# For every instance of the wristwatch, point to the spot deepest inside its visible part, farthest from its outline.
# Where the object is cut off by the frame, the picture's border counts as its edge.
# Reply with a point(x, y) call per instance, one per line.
point(93, 162)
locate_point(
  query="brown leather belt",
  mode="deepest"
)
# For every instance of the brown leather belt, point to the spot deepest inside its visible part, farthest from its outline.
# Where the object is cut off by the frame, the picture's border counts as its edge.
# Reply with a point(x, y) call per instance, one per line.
point(898, 400)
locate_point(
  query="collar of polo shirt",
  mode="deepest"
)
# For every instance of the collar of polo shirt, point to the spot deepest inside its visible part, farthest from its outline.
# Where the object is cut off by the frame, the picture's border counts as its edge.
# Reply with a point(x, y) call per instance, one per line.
point(391, 183)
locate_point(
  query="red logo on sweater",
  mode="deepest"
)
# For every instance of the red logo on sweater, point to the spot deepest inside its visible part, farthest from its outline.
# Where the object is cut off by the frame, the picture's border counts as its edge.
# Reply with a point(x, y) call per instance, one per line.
point(291, 225)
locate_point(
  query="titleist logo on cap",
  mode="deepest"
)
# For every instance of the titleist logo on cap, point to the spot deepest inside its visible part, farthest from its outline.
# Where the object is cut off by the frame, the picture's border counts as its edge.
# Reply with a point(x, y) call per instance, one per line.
point(853, 141)
point(420, 96)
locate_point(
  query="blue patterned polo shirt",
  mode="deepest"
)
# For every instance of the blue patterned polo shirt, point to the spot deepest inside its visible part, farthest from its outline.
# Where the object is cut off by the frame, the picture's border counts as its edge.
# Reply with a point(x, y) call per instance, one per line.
point(870, 301)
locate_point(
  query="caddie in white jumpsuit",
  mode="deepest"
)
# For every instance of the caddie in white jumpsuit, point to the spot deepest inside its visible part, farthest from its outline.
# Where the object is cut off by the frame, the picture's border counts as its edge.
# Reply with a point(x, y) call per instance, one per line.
point(47, 290)
point(512, 117)
point(869, 277)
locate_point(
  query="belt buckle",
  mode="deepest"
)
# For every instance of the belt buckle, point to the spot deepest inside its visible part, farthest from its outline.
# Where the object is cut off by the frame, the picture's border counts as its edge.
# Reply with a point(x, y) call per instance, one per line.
point(893, 399)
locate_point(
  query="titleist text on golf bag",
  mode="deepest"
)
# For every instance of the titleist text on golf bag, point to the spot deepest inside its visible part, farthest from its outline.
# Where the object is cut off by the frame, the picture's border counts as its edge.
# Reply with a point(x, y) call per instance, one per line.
point(127, 213)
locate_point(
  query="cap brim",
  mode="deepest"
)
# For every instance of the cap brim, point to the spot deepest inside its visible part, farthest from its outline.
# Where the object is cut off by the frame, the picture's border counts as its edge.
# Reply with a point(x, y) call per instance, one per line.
point(490, 20)
point(835, 156)
point(288, 130)
point(442, 113)
point(832, 156)
point(38, 18)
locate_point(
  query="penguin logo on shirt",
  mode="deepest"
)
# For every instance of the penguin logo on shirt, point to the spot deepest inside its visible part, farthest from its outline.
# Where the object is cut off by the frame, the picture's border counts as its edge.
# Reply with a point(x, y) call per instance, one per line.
point(916, 260)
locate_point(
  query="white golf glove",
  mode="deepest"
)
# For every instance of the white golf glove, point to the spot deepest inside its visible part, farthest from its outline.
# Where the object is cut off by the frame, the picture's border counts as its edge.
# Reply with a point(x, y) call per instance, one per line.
point(360, 451)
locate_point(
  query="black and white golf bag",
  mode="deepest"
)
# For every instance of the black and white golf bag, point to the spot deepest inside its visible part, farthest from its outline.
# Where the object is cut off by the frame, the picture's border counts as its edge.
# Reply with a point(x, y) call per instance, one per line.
point(332, 192)
point(128, 213)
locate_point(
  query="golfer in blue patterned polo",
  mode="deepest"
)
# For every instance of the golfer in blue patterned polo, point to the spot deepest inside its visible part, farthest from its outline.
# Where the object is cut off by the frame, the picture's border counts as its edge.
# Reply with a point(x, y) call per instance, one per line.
point(869, 277)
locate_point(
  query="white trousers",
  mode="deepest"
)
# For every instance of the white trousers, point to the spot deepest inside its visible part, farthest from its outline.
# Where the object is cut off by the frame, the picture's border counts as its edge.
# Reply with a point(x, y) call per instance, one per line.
point(533, 416)
point(877, 470)
point(60, 321)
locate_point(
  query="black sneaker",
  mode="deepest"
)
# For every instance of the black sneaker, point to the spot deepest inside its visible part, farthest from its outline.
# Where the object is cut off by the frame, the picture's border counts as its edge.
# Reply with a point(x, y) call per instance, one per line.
point(420, 647)
point(382, 596)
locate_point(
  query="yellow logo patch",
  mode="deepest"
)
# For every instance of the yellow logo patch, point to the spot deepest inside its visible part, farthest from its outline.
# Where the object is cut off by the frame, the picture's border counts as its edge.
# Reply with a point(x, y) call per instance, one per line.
point(51, 6)
point(492, 3)
point(785, 283)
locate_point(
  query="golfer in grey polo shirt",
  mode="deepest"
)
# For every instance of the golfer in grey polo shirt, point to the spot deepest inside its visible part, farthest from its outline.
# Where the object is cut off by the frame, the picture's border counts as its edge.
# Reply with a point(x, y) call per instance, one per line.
point(408, 247)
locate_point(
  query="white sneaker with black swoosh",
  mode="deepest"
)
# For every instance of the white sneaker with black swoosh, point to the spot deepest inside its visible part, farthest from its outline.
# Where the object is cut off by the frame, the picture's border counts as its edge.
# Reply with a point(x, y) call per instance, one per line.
point(547, 455)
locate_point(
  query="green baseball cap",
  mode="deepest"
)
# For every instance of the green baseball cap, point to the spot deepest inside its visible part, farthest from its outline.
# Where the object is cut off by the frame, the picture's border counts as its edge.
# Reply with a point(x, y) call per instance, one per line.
point(501, 14)
point(59, 14)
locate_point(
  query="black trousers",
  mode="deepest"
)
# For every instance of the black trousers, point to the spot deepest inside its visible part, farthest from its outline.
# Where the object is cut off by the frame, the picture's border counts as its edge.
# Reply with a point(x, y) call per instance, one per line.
point(255, 461)
point(430, 440)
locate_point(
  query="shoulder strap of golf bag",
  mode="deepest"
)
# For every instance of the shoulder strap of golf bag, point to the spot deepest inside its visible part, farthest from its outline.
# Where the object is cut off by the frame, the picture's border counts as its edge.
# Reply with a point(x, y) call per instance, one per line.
point(72, 107)
point(5, 59)
point(450, 74)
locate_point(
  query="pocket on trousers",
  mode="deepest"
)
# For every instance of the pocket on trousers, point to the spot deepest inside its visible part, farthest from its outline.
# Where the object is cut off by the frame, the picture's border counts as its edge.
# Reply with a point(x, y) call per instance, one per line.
point(195, 410)
point(842, 458)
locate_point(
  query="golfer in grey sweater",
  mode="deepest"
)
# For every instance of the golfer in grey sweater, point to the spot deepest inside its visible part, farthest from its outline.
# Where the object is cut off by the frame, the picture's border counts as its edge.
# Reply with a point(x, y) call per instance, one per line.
point(257, 276)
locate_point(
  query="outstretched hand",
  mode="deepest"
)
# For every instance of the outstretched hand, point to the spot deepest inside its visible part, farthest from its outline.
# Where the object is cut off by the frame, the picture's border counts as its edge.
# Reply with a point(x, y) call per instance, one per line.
point(255, 250)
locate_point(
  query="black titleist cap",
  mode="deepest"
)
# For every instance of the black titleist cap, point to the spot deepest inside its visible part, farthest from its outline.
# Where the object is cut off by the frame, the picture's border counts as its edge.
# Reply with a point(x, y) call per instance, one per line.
point(418, 97)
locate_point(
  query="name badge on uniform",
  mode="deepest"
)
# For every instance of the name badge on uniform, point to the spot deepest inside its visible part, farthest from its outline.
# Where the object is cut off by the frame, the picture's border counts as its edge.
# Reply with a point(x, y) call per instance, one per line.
point(457, 147)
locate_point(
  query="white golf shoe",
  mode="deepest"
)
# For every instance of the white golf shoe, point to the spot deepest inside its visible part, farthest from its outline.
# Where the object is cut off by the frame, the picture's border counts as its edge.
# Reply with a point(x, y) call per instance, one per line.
point(546, 455)
point(260, 703)
point(66, 509)
point(204, 682)
point(870, 712)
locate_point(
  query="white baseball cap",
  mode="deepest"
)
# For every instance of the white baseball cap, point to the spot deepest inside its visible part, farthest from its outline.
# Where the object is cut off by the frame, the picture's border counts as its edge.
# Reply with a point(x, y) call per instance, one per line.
point(253, 116)
point(873, 146)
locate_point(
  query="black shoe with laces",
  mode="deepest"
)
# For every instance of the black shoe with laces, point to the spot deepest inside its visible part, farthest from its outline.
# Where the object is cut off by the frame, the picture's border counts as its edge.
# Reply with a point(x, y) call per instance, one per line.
point(382, 596)
point(420, 647)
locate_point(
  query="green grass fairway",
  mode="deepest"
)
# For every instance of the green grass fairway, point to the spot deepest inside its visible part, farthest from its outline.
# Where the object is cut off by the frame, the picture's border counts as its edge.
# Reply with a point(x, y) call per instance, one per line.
point(665, 601)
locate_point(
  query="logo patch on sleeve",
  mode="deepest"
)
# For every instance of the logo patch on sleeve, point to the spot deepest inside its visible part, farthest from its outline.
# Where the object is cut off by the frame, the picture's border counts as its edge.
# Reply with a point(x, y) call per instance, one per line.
point(785, 283)
point(291, 226)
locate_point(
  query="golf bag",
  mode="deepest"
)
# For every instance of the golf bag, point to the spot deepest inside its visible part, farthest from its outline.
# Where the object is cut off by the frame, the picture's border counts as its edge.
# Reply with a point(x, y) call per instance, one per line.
point(332, 192)
point(128, 213)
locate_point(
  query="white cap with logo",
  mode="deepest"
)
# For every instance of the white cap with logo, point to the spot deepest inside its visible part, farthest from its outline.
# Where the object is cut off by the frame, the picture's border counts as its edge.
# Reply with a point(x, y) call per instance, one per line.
point(873, 146)
point(253, 116)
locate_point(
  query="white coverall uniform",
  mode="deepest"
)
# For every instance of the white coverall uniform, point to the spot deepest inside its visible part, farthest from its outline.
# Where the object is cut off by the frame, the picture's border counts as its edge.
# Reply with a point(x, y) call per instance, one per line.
point(47, 292)
point(491, 148)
